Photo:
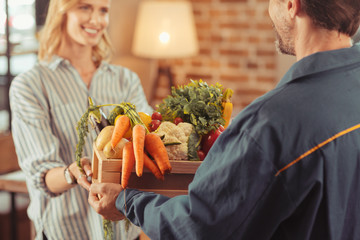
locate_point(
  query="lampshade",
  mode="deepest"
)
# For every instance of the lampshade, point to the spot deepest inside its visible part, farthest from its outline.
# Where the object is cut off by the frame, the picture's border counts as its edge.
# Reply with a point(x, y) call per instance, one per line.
point(165, 29)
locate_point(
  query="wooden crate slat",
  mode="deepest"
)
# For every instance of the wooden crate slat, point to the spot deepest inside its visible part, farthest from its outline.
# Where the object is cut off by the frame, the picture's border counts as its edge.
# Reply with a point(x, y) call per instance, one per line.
point(111, 165)
point(109, 177)
point(175, 183)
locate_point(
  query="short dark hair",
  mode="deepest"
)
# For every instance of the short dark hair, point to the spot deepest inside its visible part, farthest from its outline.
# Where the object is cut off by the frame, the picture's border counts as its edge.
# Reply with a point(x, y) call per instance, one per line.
point(340, 15)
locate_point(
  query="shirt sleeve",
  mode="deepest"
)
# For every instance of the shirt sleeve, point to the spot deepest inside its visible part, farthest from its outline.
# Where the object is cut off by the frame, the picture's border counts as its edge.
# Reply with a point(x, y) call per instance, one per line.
point(36, 146)
point(234, 193)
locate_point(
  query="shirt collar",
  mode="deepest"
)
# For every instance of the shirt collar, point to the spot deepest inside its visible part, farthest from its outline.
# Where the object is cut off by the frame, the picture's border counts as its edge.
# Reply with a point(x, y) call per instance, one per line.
point(57, 61)
point(322, 61)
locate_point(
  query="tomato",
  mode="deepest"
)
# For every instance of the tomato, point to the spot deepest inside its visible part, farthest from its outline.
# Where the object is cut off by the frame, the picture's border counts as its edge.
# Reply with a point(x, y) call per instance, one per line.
point(178, 120)
point(156, 116)
point(208, 140)
point(154, 125)
point(201, 154)
point(221, 128)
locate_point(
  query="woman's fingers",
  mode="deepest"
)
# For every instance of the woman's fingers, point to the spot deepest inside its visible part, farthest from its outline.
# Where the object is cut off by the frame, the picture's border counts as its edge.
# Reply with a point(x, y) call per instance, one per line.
point(82, 180)
point(86, 165)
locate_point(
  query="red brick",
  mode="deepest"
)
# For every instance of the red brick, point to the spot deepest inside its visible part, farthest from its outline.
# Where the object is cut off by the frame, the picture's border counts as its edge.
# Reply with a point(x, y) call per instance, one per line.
point(253, 39)
point(264, 26)
point(205, 51)
point(236, 25)
point(252, 92)
point(216, 38)
point(196, 63)
point(266, 79)
point(215, 64)
point(265, 53)
point(232, 13)
point(270, 66)
point(229, 34)
point(215, 13)
point(234, 64)
point(250, 12)
point(233, 52)
point(233, 1)
point(201, 1)
point(231, 78)
point(252, 65)
point(178, 62)
point(203, 25)
point(232, 39)
point(196, 76)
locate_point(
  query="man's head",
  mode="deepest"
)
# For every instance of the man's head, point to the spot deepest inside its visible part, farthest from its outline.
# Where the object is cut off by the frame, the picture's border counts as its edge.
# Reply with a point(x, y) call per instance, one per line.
point(342, 16)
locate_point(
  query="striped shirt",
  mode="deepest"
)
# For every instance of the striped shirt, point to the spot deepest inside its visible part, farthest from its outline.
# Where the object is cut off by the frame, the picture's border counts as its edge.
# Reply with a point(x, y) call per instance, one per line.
point(46, 104)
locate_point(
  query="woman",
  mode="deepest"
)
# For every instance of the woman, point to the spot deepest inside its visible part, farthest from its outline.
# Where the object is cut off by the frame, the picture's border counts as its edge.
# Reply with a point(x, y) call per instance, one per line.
point(49, 100)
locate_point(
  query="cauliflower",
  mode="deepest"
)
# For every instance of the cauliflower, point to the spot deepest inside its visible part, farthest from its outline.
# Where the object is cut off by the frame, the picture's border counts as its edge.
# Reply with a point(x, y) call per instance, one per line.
point(175, 134)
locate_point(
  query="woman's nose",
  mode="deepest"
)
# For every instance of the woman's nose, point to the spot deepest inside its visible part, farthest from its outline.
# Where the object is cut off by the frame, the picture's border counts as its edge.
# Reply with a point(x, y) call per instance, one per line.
point(95, 17)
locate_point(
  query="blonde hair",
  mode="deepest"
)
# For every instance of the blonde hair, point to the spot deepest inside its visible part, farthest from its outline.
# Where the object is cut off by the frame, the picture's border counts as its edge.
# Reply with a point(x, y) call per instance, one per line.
point(50, 34)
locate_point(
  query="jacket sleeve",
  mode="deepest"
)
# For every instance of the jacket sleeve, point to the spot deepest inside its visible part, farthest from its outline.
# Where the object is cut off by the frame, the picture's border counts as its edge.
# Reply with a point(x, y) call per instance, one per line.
point(231, 195)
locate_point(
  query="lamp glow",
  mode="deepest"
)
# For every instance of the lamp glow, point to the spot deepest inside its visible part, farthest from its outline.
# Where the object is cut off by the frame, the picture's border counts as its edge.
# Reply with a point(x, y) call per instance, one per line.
point(164, 37)
point(165, 29)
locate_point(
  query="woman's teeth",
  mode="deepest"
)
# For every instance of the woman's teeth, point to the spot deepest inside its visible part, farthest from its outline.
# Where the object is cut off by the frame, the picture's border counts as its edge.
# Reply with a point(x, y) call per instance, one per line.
point(89, 30)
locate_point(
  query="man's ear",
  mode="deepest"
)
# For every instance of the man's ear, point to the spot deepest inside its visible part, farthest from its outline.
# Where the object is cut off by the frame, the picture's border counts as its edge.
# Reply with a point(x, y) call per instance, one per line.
point(293, 7)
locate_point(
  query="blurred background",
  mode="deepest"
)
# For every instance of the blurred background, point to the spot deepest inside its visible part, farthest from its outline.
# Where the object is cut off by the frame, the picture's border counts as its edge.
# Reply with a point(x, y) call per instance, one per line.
point(234, 45)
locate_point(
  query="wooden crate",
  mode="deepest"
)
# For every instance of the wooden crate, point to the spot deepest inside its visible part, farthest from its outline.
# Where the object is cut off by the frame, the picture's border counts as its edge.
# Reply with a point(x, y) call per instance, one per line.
point(175, 183)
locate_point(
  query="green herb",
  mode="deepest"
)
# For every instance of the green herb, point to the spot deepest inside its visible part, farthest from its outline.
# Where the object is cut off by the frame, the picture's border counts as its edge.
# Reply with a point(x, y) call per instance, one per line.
point(83, 129)
point(108, 231)
point(197, 103)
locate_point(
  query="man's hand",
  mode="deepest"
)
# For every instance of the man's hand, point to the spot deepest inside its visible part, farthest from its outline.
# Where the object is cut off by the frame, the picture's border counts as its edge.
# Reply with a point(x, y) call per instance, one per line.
point(102, 198)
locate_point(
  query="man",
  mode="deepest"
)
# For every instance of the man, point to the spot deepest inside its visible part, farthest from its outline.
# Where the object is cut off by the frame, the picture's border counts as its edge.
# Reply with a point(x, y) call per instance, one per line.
point(288, 165)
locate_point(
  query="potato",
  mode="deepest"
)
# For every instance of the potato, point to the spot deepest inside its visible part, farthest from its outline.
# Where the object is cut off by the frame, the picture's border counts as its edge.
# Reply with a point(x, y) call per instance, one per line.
point(117, 151)
point(104, 137)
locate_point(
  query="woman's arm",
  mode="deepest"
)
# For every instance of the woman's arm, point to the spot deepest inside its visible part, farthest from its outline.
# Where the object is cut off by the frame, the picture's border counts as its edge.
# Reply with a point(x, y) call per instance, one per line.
point(55, 178)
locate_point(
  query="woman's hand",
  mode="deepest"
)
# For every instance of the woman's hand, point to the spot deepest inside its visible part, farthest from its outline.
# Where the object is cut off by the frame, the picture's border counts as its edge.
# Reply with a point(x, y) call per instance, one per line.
point(81, 178)
point(102, 198)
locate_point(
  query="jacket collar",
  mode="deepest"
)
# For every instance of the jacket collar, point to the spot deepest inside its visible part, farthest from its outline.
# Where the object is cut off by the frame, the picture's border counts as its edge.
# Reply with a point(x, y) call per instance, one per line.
point(322, 61)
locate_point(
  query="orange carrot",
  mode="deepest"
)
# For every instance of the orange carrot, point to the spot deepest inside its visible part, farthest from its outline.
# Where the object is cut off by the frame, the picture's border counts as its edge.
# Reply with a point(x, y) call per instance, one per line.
point(138, 138)
point(149, 164)
point(156, 148)
point(128, 162)
point(122, 125)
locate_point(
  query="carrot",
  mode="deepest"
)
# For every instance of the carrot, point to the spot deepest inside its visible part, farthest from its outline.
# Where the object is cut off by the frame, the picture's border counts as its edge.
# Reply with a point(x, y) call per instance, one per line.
point(138, 144)
point(156, 148)
point(128, 162)
point(122, 125)
point(149, 164)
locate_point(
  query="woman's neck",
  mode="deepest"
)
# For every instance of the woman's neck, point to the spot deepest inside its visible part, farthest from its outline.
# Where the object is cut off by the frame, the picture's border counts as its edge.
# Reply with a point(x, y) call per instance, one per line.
point(80, 58)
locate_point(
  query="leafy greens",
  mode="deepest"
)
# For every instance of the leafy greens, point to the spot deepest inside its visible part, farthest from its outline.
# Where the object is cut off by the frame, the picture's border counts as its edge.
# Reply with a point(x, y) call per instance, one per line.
point(197, 103)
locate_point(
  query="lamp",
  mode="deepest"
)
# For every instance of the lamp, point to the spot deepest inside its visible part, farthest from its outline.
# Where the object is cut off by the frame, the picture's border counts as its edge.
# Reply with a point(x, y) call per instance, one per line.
point(165, 29)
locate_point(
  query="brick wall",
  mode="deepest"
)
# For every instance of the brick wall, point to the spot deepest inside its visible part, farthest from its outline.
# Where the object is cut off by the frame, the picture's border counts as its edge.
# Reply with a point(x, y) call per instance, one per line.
point(236, 43)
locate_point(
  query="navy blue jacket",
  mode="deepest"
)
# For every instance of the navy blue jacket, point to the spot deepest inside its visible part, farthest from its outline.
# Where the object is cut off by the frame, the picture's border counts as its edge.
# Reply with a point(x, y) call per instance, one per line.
point(288, 166)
